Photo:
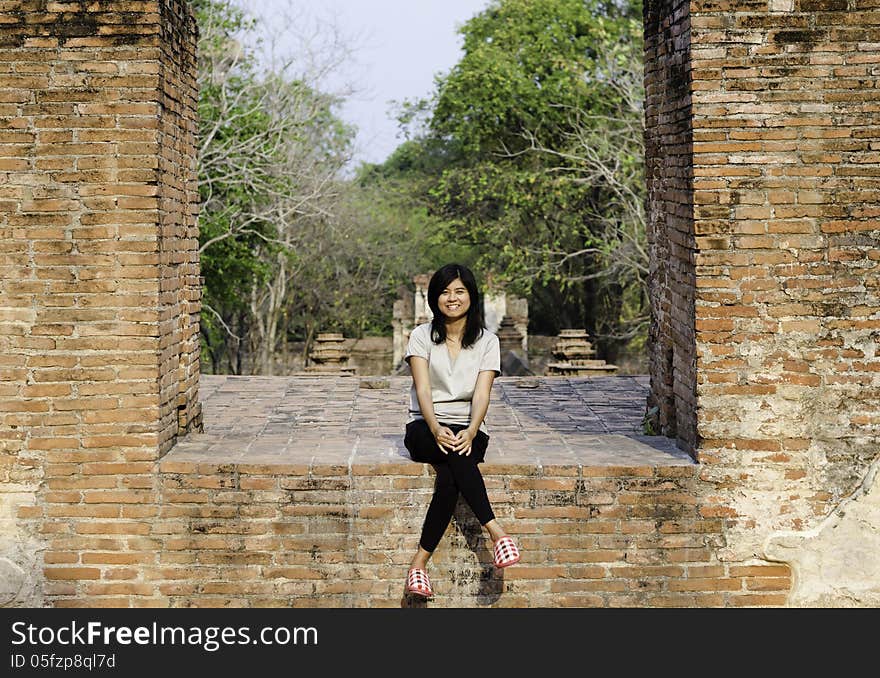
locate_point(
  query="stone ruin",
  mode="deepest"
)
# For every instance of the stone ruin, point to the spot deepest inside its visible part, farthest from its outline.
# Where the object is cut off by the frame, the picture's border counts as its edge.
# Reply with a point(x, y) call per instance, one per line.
point(329, 355)
point(575, 357)
point(509, 336)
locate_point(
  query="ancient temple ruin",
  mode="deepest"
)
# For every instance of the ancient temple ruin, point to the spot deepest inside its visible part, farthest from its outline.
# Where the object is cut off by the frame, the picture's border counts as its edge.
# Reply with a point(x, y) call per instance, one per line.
point(762, 129)
point(329, 355)
point(576, 357)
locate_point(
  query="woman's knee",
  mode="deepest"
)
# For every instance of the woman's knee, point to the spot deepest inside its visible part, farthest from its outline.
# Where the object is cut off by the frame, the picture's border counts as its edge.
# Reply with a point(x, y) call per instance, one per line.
point(420, 442)
point(463, 460)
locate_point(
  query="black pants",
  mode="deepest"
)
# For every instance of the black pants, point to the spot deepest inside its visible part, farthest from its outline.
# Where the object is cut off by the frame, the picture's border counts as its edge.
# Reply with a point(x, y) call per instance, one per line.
point(455, 473)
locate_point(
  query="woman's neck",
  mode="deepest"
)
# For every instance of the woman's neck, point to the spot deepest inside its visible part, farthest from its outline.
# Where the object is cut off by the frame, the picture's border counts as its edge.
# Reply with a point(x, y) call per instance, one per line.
point(455, 328)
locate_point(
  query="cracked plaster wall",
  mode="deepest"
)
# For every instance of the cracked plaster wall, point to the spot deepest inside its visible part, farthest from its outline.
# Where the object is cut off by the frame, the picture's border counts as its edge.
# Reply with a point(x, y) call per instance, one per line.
point(837, 564)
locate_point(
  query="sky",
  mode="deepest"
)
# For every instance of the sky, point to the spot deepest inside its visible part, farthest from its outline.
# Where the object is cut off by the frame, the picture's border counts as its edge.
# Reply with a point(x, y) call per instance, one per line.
point(397, 47)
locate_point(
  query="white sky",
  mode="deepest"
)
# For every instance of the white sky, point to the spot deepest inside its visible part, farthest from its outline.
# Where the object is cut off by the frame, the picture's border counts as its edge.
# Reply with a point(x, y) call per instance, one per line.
point(398, 47)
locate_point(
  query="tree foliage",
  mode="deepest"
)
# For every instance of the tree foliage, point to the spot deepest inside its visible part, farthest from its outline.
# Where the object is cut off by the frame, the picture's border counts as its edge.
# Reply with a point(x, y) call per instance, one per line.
point(526, 164)
point(289, 247)
point(532, 157)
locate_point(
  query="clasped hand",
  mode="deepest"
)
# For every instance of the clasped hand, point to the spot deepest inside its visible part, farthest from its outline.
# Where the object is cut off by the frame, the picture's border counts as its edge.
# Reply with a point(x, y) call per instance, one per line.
point(452, 442)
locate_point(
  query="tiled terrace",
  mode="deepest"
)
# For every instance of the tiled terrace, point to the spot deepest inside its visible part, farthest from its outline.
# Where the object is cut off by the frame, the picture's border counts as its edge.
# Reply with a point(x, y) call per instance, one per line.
point(349, 420)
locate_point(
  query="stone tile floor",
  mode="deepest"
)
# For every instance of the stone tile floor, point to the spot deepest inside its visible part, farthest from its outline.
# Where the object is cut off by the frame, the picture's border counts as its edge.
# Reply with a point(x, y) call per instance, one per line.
point(356, 420)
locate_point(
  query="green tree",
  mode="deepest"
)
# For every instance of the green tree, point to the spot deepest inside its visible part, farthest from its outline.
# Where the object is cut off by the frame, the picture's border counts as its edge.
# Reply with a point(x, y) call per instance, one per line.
point(270, 151)
point(532, 157)
point(288, 246)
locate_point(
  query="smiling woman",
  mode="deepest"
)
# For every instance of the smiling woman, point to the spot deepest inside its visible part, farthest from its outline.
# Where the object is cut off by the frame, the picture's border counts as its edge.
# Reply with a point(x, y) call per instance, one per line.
point(454, 360)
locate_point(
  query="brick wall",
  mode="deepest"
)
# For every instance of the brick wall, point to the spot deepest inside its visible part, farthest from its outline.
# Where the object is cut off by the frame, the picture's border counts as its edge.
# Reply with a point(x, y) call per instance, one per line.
point(179, 287)
point(272, 535)
point(670, 226)
point(785, 187)
point(787, 321)
point(98, 264)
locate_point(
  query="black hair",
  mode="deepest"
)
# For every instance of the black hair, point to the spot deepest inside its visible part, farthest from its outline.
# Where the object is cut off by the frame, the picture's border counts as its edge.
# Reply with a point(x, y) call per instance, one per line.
point(474, 323)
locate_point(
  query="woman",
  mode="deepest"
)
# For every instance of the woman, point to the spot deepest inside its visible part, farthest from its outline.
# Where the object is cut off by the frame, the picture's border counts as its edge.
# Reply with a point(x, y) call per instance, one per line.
point(454, 360)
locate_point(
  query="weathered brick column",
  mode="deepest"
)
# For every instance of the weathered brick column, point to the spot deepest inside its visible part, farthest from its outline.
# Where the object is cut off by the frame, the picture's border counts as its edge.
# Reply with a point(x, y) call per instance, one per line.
point(99, 285)
point(669, 174)
point(779, 224)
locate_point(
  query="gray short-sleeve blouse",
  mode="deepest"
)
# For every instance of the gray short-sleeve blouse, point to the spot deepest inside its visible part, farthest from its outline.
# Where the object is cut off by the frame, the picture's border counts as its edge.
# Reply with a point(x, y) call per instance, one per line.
point(452, 382)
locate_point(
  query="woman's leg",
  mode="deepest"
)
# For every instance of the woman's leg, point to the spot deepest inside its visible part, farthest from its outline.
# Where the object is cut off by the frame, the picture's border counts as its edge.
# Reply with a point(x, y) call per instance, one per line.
point(472, 487)
point(439, 514)
point(423, 448)
point(465, 477)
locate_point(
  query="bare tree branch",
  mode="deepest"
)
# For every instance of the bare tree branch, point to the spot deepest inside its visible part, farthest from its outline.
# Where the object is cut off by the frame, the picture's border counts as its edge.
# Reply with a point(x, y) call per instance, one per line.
point(222, 322)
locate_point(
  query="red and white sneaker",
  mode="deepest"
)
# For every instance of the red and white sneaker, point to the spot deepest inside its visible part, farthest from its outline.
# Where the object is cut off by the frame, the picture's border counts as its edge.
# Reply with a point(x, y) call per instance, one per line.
point(506, 552)
point(417, 582)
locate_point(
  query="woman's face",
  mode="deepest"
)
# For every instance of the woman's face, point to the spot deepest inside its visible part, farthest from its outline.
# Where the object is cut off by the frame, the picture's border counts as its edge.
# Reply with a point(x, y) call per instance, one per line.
point(454, 301)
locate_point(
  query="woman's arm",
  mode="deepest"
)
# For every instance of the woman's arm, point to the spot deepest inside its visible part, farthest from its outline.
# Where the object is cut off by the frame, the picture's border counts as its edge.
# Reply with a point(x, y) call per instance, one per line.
point(419, 367)
point(479, 407)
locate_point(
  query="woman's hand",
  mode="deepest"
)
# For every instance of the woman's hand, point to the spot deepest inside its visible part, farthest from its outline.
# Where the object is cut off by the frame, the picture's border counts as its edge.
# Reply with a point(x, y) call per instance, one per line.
point(445, 439)
point(464, 440)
